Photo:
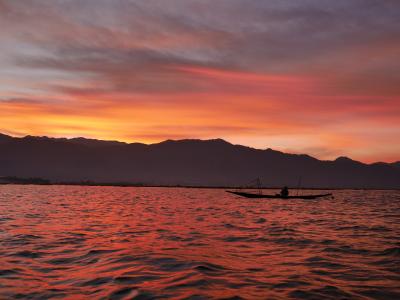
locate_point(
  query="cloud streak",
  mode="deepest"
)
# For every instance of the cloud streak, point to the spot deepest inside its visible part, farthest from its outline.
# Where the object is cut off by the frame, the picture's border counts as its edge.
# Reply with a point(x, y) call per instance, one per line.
point(281, 74)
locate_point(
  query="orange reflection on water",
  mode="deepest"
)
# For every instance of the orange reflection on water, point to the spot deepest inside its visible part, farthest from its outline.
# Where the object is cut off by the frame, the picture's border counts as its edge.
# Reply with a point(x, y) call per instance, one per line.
point(93, 242)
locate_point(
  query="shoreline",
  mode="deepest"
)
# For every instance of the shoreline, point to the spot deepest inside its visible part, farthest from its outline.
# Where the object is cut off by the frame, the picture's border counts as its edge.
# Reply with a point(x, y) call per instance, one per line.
point(99, 184)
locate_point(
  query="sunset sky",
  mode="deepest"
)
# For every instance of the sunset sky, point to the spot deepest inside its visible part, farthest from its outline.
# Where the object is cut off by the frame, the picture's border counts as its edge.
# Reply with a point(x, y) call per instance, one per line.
point(315, 76)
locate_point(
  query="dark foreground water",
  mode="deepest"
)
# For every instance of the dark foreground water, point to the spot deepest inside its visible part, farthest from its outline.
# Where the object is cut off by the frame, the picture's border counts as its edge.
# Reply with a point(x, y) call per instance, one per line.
point(155, 243)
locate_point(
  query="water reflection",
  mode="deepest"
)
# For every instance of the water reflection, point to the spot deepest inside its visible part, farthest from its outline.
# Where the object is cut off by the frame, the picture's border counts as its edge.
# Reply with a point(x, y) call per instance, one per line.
point(146, 243)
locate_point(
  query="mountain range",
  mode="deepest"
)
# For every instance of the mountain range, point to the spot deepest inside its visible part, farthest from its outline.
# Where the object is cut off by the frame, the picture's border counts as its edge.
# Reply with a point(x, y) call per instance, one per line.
point(183, 162)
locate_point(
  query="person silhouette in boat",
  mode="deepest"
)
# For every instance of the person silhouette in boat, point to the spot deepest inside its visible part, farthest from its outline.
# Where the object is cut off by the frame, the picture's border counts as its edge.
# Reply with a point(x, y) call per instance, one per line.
point(284, 192)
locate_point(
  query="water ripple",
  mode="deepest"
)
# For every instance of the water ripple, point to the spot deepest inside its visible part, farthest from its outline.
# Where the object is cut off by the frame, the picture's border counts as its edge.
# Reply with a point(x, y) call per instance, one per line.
point(157, 243)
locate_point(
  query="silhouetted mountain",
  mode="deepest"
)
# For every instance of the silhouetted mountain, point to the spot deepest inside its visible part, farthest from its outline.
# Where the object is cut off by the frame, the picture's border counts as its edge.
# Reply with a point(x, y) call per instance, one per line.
point(396, 164)
point(5, 138)
point(185, 162)
point(95, 143)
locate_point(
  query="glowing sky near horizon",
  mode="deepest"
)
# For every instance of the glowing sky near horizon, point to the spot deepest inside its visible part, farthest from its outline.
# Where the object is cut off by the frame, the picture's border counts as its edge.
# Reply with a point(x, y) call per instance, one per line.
point(314, 76)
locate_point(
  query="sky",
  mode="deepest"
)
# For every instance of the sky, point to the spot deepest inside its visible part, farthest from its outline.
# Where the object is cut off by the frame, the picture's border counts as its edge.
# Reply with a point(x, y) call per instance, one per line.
point(314, 76)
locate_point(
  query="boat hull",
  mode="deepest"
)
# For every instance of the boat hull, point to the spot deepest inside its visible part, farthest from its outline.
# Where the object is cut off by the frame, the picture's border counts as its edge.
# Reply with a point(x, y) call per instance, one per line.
point(252, 195)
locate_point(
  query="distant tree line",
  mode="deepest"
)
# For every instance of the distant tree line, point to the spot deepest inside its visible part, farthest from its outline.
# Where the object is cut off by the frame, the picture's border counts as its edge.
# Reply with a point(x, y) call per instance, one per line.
point(19, 180)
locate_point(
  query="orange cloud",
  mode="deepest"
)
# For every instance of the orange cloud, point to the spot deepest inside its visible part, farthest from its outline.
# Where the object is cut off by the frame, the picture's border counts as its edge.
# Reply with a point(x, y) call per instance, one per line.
point(279, 76)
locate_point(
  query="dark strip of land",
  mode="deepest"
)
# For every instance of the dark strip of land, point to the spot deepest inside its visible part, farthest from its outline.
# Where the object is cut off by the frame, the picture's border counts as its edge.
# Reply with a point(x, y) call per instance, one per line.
point(41, 181)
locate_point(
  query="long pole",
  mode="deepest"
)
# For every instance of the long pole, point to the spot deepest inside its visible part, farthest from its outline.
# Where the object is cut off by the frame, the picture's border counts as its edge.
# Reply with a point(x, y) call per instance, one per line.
point(298, 185)
point(259, 186)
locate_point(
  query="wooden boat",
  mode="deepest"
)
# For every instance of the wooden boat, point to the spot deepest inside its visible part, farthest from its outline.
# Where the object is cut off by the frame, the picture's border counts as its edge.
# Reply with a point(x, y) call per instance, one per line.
point(277, 196)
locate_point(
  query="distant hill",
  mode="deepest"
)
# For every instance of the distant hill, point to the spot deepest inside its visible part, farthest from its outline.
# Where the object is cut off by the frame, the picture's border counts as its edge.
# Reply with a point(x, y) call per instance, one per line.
point(184, 162)
point(396, 164)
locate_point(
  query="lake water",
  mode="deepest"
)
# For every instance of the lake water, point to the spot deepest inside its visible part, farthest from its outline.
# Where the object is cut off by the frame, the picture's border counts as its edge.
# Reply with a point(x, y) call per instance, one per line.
point(155, 243)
